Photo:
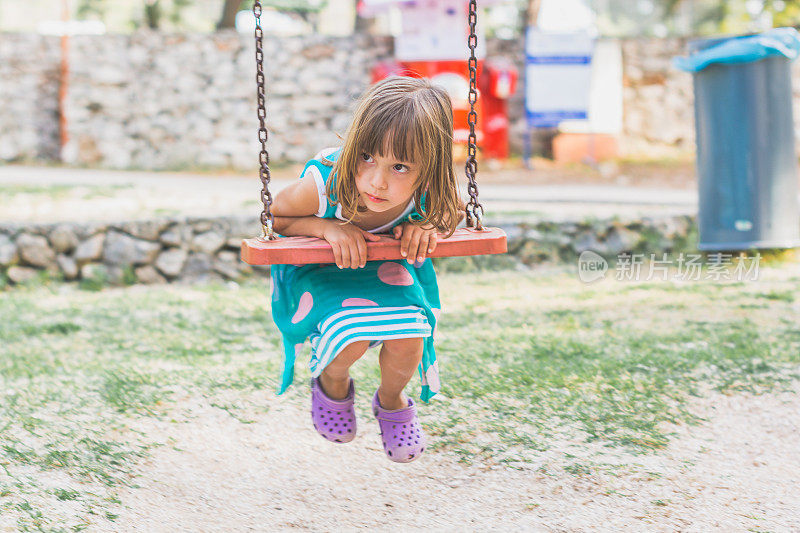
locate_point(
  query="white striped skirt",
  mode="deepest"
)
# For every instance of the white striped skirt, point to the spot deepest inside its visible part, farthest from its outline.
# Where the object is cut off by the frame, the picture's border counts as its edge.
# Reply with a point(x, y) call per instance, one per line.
point(374, 324)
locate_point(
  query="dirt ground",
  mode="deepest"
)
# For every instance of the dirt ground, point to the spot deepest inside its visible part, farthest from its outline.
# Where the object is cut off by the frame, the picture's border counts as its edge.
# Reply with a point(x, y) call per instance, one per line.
point(734, 472)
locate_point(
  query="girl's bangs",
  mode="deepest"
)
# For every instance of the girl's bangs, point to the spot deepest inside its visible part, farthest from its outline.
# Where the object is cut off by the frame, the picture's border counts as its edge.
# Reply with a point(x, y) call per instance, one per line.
point(393, 134)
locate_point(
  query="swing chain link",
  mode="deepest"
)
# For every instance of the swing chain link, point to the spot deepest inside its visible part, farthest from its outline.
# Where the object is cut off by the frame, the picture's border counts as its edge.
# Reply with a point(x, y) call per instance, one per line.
point(267, 219)
point(474, 210)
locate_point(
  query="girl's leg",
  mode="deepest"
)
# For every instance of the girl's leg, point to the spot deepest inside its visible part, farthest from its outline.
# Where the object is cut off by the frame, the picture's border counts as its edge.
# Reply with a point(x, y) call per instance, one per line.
point(399, 360)
point(335, 379)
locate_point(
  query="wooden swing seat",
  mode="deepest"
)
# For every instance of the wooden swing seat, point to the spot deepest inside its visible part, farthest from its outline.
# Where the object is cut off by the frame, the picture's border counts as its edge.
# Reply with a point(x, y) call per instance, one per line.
point(306, 250)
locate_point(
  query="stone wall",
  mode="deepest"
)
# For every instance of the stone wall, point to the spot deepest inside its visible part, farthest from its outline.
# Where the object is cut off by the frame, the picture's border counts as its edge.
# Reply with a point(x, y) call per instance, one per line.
point(147, 251)
point(29, 74)
point(184, 249)
point(658, 100)
point(157, 101)
point(151, 100)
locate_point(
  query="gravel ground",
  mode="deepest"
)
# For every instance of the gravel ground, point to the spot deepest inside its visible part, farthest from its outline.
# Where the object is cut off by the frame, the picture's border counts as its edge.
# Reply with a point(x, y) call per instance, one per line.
point(737, 471)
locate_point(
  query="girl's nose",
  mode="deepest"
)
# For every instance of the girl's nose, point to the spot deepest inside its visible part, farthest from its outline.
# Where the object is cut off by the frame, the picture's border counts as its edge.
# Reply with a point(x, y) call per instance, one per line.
point(378, 180)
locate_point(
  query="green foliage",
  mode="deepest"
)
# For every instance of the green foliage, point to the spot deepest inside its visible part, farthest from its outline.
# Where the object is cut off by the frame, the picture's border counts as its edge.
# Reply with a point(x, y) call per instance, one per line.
point(726, 16)
point(177, 9)
point(97, 280)
point(161, 14)
point(785, 13)
point(155, 12)
point(292, 6)
point(692, 17)
point(88, 8)
point(128, 276)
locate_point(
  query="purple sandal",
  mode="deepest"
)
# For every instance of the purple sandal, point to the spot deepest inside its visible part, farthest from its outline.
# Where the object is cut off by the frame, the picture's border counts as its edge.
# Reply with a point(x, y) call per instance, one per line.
point(333, 419)
point(403, 438)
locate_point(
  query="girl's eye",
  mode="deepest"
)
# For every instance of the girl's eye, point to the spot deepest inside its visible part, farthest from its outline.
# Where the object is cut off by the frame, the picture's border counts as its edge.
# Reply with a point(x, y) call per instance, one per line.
point(366, 157)
point(400, 168)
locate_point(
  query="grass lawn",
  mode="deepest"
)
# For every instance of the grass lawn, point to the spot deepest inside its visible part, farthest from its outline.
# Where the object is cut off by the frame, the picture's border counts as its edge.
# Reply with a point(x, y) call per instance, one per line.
point(526, 358)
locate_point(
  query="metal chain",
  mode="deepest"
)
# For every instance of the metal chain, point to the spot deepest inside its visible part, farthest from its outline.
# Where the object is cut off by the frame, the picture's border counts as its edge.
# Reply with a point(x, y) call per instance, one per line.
point(267, 219)
point(474, 210)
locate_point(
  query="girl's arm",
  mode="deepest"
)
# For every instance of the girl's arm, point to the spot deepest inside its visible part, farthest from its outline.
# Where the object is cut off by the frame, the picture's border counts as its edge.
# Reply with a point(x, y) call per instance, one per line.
point(294, 208)
point(310, 226)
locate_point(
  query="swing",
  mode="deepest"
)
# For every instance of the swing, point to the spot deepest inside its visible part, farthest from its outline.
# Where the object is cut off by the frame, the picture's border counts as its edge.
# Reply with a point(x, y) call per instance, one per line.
point(269, 249)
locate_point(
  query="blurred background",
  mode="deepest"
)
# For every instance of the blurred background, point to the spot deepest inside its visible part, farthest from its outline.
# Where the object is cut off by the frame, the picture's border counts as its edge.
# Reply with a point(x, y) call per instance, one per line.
point(168, 84)
point(144, 109)
point(614, 18)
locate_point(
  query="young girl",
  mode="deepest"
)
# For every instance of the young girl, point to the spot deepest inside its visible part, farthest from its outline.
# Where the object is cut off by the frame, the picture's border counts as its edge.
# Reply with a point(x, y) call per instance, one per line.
point(394, 173)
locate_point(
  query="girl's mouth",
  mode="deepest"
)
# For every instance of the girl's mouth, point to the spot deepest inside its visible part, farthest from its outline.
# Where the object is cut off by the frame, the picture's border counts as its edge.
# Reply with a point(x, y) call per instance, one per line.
point(374, 198)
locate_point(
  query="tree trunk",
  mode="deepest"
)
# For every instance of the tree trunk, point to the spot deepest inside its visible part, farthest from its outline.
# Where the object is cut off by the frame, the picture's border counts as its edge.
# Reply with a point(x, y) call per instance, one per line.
point(152, 14)
point(229, 10)
point(533, 12)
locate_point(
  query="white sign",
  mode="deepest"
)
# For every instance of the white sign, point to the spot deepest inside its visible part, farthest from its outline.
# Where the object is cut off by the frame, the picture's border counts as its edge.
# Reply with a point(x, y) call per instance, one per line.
point(436, 30)
point(558, 73)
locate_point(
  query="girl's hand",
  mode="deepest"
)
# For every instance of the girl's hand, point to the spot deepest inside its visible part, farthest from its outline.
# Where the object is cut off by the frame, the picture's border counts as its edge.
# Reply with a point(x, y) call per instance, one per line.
point(349, 243)
point(415, 242)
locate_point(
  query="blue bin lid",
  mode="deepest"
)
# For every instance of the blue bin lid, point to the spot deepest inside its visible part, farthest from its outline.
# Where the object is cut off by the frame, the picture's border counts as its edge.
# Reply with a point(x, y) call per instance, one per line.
point(740, 49)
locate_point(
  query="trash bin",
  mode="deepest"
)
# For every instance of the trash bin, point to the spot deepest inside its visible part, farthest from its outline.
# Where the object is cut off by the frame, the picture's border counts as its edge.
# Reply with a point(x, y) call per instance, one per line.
point(746, 160)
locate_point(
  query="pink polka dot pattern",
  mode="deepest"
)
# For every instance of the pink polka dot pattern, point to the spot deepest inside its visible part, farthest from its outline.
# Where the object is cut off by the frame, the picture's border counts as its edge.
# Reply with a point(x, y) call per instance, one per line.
point(394, 274)
point(432, 375)
point(306, 303)
point(436, 313)
point(358, 302)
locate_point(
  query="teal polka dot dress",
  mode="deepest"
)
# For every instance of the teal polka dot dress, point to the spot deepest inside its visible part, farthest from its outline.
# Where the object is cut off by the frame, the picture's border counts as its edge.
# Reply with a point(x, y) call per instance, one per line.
point(332, 307)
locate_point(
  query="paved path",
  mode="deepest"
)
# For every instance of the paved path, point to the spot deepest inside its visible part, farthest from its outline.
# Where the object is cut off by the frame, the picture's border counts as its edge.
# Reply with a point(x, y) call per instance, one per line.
point(135, 194)
point(234, 184)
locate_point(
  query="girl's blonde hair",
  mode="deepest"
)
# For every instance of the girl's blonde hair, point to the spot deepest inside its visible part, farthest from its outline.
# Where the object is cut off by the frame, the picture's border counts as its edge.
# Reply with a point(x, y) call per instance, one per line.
point(413, 120)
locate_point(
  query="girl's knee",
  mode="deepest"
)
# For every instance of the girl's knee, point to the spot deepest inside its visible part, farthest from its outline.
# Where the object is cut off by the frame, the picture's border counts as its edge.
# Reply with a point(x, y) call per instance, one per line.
point(408, 347)
point(352, 352)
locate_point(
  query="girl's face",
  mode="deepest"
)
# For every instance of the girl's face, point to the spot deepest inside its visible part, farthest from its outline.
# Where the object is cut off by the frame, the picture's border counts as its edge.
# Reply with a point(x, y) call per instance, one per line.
point(385, 183)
